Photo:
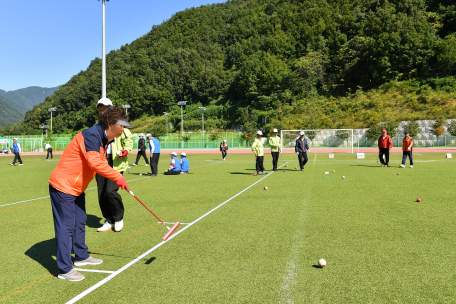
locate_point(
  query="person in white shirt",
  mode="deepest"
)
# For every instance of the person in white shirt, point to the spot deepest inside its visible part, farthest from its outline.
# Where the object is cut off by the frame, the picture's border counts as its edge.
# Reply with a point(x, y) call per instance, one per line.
point(48, 149)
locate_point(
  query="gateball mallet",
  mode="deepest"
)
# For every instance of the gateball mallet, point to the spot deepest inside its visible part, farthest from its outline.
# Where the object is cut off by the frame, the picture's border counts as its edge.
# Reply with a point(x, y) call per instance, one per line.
point(170, 230)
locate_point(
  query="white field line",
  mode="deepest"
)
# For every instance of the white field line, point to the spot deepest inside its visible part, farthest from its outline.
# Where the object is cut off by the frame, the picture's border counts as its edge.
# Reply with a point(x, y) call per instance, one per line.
point(93, 270)
point(286, 293)
point(111, 276)
point(131, 180)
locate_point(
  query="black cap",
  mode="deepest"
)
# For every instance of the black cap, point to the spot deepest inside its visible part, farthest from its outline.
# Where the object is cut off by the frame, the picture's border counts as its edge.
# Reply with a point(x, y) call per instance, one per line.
point(406, 132)
point(125, 123)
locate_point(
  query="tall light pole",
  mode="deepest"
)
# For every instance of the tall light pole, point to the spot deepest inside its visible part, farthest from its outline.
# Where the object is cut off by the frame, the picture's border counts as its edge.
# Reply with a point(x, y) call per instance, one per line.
point(202, 109)
point(52, 110)
point(182, 103)
point(103, 57)
point(126, 106)
point(166, 114)
point(42, 128)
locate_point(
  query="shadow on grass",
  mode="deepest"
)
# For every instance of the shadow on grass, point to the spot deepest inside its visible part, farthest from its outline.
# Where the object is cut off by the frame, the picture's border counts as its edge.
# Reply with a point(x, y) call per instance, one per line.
point(43, 252)
point(317, 266)
point(93, 221)
point(241, 173)
point(366, 166)
point(150, 260)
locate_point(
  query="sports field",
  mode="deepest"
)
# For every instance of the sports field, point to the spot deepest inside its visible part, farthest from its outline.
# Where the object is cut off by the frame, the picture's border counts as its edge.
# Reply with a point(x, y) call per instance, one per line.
point(259, 246)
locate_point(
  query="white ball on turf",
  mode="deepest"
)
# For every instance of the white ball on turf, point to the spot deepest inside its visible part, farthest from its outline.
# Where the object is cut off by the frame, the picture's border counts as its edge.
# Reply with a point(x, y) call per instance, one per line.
point(343, 176)
point(140, 174)
point(321, 263)
point(119, 153)
point(265, 188)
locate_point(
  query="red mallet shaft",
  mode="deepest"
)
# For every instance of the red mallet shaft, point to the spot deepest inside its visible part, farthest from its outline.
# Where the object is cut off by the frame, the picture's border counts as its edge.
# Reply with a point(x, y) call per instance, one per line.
point(170, 230)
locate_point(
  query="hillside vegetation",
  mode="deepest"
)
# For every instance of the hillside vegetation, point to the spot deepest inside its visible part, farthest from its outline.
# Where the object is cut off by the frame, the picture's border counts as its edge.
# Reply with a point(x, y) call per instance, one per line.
point(8, 114)
point(289, 64)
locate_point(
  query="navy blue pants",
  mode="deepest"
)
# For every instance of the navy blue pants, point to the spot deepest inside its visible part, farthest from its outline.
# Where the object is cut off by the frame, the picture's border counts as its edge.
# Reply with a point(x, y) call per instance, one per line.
point(69, 225)
point(404, 157)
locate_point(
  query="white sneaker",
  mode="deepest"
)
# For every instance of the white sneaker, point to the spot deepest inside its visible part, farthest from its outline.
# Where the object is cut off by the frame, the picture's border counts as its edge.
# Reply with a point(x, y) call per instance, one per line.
point(223, 158)
point(411, 166)
point(147, 165)
point(401, 166)
point(72, 276)
point(89, 261)
point(12, 164)
point(106, 227)
point(134, 165)
point(118, 226)
point(21, 164)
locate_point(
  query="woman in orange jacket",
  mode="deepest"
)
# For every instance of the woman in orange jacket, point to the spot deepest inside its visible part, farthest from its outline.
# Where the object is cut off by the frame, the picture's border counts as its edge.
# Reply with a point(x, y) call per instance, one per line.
point(84, 157)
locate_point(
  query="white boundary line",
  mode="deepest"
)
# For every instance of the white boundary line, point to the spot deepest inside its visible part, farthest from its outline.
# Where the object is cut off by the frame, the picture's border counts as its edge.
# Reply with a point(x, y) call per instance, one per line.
point(107, 279)
point(131, 180)
point(94, 270)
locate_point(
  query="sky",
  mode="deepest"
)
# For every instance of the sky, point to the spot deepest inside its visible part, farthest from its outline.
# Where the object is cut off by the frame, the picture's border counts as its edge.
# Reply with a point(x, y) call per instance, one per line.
point(44, 43)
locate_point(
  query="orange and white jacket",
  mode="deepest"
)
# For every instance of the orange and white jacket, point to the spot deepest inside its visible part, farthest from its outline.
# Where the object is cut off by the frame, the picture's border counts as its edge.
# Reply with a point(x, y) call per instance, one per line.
point(84, 156)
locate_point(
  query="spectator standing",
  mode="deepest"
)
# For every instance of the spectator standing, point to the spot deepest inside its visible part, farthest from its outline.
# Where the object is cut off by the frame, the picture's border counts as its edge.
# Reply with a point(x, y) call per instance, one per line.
point(274, 143)
point(385, 143)
point(154, 145)
point(407, 148)
point(258, 150)
point(141, 150)
point(223, 148)
point(17, 152)
point(48, 149)
point(301, 149)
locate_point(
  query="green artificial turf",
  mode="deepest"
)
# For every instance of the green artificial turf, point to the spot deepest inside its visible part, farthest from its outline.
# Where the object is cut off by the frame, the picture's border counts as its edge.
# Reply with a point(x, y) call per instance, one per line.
point(381, 246)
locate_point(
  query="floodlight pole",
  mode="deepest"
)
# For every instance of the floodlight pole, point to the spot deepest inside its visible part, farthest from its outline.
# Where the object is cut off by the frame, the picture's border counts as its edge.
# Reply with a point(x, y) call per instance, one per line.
point(103, 57)
point(166, 114)
point(182, 103)
point(202, 112)
point(51, 110)
point(126, 107)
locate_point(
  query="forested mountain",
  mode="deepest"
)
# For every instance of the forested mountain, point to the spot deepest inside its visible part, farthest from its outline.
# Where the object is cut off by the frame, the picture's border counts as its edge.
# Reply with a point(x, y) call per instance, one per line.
point(8, 114)
point(24, 99)
point(291, 63)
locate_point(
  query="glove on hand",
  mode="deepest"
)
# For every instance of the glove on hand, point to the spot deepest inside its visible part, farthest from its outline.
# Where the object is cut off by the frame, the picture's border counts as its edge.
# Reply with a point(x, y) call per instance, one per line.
point(122, 153)
point(122, 184)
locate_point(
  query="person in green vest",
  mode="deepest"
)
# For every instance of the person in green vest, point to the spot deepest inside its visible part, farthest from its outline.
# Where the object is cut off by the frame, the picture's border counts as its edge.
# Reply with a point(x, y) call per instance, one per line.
point(258, 150)
point(109, 199)
point(274, 143)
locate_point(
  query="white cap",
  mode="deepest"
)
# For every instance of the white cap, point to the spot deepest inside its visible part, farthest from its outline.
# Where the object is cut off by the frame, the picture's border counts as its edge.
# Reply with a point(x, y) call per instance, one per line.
point(173, 153)
point(148, 134)
point(140, 134)
point(105, 102)
point(301, 133)
point(224, 140)
point(259, 133)
point(183, 154)
point(14, 138)
point(275, 131)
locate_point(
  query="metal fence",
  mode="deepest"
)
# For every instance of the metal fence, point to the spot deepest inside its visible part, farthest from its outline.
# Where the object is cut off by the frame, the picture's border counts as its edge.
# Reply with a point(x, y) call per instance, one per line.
point(35, 143)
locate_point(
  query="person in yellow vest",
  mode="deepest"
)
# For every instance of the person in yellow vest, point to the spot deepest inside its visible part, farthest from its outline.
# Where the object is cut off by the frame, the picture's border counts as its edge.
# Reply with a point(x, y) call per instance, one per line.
point(258, 150)
point(274, 143)
point(407, 147)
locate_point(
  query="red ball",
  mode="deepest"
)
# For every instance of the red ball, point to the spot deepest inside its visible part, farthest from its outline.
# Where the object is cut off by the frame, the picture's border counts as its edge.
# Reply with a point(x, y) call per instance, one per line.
point(418, 199)
point(398, 173)
point(284, 171)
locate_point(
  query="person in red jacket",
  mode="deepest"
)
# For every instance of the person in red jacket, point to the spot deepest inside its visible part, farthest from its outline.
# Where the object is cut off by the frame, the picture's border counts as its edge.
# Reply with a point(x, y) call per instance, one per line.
point(84, 157)
point(385, 143)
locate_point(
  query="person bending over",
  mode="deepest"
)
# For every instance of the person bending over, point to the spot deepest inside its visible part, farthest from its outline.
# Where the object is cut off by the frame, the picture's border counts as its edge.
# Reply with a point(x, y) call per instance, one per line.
point(84, 157)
